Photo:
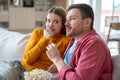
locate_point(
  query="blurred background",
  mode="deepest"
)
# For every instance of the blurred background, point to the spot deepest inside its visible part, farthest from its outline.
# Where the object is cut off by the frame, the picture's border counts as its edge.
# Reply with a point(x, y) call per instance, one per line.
point(25, 15)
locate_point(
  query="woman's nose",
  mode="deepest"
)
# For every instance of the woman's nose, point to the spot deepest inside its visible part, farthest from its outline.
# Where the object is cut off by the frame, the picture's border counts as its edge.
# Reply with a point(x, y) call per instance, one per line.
point(51, 24)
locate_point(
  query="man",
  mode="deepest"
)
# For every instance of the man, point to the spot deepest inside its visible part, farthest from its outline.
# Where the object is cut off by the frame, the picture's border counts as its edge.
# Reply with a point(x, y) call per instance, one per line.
point(87, 57)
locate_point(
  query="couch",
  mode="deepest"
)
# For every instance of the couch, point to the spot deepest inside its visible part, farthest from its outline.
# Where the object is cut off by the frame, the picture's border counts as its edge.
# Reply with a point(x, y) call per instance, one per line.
point(12, 45)
point(116, 67)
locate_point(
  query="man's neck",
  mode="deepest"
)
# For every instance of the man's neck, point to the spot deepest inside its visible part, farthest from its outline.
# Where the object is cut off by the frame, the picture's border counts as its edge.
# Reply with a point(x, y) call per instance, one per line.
point(79, 37)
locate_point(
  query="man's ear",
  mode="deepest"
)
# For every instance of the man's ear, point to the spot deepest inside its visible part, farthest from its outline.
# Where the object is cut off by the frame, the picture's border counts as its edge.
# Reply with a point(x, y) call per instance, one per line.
point(88, 21)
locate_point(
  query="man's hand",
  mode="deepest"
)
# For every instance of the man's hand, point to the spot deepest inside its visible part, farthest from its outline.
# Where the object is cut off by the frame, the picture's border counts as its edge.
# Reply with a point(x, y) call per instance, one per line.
point(52, 69)
point(52, 52)
point(54, 55)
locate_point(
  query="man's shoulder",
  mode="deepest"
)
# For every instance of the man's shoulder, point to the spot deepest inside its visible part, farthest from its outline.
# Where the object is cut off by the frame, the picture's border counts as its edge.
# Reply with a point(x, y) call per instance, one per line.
point(92, 39)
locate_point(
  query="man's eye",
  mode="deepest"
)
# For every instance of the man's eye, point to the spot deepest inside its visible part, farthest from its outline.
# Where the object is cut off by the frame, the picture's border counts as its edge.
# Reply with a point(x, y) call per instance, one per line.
point(72, 18)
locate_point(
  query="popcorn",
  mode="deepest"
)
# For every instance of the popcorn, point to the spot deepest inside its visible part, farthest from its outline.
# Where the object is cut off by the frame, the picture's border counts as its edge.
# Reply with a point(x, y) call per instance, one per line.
point(37, 74)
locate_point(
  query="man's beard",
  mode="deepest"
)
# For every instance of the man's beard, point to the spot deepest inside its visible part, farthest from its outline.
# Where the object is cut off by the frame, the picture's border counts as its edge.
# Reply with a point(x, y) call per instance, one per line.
point(73, 33)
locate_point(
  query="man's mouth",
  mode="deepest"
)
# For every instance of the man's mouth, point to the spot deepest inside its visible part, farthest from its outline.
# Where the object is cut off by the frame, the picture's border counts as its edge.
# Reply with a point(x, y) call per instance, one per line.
point(67, 29)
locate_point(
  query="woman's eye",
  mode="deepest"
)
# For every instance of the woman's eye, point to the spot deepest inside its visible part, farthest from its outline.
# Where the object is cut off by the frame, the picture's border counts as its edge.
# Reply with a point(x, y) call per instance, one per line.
point(48, 21)
point(52, 21)
point(55, 22)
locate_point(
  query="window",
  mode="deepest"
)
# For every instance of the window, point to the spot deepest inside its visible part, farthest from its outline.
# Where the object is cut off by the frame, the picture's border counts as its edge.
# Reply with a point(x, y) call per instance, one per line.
point(112, 9)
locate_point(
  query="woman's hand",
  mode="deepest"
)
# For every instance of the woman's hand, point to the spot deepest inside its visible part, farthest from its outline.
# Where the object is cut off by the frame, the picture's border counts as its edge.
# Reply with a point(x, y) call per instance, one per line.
point(48, 33)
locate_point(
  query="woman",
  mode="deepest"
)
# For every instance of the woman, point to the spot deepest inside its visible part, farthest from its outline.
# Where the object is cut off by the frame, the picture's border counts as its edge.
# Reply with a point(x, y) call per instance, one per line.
point(54, 32)
point(35, 51)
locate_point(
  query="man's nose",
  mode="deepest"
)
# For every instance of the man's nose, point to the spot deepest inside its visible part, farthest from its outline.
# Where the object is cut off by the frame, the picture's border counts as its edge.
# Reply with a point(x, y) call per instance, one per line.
point(66, 23)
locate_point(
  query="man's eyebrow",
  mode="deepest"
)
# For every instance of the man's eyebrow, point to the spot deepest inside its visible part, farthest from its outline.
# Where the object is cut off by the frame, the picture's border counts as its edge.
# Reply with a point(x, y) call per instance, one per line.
point(72, 15)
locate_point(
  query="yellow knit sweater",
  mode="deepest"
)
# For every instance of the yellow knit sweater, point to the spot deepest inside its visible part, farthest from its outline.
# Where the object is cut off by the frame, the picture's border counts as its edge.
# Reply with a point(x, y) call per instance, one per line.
point(35, 51)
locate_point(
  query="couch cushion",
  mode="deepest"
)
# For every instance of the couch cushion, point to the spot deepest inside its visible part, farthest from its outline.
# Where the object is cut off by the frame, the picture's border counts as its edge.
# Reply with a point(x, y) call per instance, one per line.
point(12, 44)
point(116, 67)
